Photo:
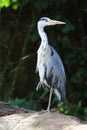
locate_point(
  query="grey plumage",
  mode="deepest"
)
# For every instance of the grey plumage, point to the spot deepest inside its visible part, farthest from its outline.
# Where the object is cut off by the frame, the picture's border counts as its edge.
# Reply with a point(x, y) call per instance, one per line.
point(49, 64)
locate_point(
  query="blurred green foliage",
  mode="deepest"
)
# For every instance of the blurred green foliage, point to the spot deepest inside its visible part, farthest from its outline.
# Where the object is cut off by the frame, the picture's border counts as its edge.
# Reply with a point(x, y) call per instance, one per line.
point(6, 3)
point(19, 42)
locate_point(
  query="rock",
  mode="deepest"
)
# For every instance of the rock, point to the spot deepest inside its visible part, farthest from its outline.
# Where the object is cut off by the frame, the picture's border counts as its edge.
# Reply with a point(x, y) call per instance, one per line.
point(40, 121)
point(8, 109)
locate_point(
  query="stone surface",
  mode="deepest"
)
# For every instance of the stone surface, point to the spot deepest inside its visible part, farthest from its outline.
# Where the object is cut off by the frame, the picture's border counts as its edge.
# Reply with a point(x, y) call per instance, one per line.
point(40, 121)
point(8, 109)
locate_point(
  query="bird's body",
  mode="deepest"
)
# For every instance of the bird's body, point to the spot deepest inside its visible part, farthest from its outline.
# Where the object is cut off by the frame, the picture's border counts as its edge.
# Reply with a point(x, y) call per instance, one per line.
point(49, 64)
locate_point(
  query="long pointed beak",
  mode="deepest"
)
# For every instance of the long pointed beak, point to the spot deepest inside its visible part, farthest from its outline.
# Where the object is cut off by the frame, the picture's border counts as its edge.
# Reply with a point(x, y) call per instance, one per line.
point(57, 22)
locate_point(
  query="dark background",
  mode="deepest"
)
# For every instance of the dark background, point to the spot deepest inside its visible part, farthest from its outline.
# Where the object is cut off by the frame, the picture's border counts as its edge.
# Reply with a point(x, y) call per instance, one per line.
point(19, 41)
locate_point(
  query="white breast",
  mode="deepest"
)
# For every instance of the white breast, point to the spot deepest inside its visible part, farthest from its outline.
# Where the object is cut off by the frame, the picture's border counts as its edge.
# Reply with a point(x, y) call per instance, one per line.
point(43, 54)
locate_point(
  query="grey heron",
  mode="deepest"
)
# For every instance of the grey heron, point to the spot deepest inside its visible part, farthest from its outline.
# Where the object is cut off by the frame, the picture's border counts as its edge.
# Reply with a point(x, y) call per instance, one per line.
point(49, 64)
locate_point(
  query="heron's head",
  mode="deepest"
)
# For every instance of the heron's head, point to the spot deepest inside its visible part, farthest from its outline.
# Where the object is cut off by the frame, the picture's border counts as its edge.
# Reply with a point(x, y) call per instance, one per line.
point(44, 21)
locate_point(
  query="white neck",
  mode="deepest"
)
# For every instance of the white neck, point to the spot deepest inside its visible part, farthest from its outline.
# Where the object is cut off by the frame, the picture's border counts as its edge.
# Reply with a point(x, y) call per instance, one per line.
point(43, 35)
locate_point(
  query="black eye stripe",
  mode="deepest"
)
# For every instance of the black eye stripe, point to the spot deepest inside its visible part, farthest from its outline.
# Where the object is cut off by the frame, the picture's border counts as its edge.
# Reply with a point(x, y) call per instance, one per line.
point(43, 19)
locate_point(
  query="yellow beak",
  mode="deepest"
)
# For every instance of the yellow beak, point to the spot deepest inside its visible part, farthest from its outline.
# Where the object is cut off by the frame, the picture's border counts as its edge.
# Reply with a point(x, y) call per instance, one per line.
point(57, 22)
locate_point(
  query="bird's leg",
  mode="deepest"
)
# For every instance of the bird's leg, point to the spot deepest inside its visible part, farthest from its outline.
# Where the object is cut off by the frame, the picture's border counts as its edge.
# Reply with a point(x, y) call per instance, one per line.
point(51, 91)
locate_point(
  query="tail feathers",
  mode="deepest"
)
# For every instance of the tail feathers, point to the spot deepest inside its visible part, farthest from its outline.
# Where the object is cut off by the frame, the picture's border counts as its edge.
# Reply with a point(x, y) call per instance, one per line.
point(58, 94)
point(61, 95)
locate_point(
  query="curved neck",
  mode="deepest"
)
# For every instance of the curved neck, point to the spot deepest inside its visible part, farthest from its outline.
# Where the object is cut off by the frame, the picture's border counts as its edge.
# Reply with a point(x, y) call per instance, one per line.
point(43, 35)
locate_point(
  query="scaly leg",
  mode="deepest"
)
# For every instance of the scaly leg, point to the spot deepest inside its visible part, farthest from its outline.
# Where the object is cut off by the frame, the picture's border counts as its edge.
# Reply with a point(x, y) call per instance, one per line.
point(51, 91)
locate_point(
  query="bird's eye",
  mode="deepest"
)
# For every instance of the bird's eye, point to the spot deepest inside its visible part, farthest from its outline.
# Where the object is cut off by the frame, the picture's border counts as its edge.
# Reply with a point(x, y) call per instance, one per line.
point(46, 20)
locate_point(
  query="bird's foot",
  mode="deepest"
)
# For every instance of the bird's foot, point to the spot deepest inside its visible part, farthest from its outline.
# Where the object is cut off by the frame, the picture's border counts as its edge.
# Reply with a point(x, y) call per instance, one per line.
point(43, 111)
point(47, 110)
point(40, 84)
